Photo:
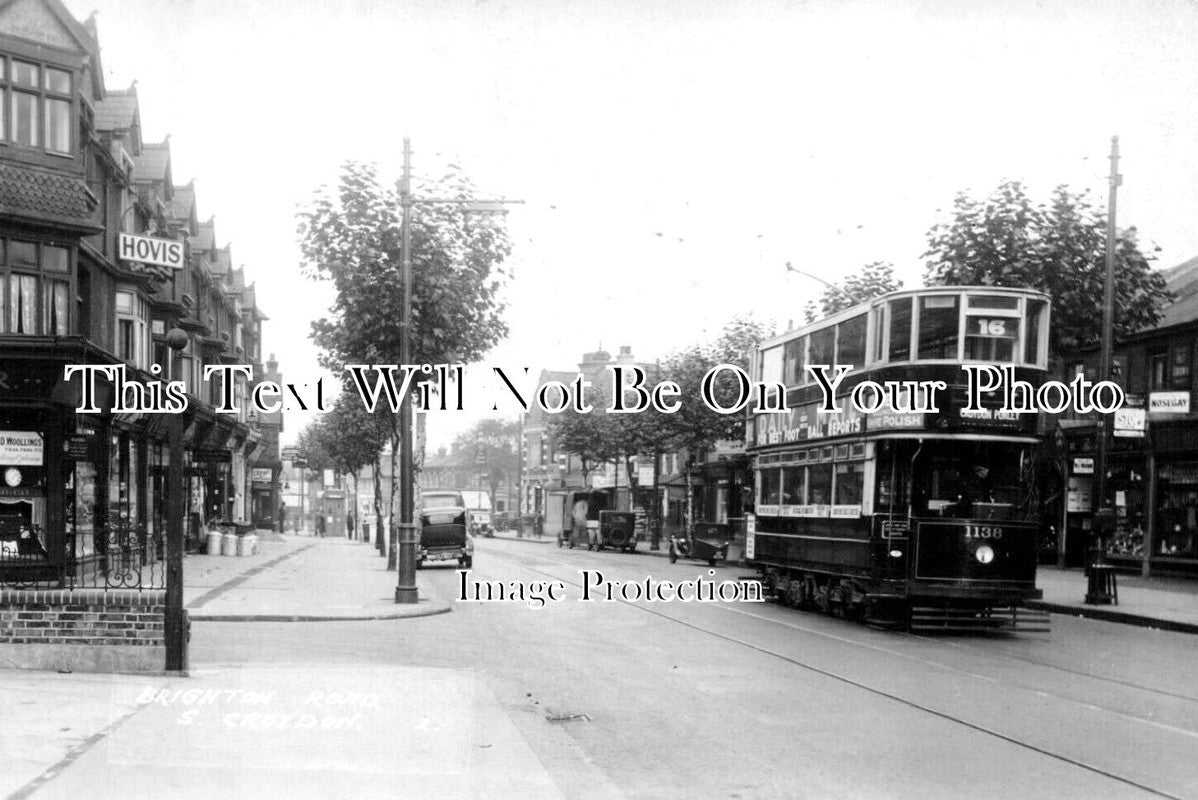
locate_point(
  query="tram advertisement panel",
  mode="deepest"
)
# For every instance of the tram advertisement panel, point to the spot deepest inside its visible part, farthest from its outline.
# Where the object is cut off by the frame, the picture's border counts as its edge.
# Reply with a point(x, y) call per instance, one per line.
point(807, 422)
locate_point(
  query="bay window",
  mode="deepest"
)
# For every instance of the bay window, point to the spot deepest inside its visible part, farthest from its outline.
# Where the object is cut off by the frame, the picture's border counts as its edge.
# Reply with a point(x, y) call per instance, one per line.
point(35, 105)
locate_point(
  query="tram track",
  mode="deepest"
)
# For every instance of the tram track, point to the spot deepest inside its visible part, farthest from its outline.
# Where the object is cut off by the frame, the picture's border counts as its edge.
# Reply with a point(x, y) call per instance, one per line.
point(1055, 667)
point(904, 701)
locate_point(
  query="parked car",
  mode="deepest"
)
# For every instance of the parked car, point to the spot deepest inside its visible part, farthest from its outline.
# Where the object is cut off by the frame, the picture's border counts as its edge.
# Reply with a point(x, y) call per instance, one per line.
point(443, 530)
point(480, 523)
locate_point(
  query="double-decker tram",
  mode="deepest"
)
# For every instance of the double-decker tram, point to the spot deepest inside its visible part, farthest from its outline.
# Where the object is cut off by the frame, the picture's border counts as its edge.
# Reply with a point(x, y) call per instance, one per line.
point(922, 512)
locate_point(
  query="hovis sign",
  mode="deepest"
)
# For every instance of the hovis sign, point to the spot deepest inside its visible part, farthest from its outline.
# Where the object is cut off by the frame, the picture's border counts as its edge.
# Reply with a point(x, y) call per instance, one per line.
point(148, 250)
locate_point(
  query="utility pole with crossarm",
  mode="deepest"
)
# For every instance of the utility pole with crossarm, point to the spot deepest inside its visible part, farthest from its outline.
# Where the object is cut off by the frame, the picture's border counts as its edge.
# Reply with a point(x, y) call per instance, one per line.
point(405, 588)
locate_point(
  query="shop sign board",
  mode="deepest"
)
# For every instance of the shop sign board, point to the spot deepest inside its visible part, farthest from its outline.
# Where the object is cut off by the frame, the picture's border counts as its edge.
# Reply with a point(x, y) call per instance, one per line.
point(21, 448)
point(1083, 466)
point(261, 475)
point(79, 447)
point(1169, 402)
point(151, 250)
point(1129, 422)
point(217, 454)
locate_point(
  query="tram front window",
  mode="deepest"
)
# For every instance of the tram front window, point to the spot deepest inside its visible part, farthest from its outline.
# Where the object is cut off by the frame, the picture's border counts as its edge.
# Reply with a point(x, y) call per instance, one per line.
point(987, 480)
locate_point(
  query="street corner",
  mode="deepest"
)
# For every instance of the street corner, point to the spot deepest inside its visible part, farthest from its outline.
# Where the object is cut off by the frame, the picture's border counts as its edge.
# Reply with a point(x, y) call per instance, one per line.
point(325, 732)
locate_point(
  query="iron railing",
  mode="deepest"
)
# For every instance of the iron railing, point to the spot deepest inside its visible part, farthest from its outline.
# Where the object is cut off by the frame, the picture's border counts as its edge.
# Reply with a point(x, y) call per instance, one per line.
point(123, 555)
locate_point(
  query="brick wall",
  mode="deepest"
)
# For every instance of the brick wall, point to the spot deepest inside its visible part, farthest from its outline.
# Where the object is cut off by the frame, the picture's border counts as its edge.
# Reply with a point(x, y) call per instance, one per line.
point(81, 617)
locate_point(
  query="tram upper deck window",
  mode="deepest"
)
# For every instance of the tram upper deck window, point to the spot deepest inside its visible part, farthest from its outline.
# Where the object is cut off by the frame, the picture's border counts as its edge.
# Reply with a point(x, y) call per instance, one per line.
point(850, 342)
point(1036, 311)
point(822, 347)
point(771, 365)
point(938, 324)
point(792, 361)
point(900, 329)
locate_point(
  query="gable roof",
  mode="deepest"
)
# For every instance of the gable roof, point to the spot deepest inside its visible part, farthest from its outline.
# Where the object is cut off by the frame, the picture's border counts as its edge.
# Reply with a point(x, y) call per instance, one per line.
point(1182, 281)
point(153, 163)
point(182, 205)
point(33, 20)
point(205, 238)
point(118, 111)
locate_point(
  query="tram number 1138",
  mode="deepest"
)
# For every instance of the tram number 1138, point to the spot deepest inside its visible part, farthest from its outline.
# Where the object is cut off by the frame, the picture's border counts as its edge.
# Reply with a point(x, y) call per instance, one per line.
point(982, 532)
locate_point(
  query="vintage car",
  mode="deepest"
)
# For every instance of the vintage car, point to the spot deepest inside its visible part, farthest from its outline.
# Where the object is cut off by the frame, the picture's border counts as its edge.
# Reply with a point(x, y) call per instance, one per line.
point(707, 542)
point(617, 530)
point(443, 530)
point(480, 523)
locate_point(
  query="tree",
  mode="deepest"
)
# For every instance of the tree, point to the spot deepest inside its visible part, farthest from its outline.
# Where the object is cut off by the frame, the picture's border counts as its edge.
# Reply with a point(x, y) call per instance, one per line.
point(352, 239)
point(875, 278)
point(588, 436)
point(1058, 247)
point(494, 446)
point(696, 426)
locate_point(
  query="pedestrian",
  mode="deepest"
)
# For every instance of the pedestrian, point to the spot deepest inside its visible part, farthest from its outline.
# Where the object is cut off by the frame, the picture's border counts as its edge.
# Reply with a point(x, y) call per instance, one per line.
point(320, 525)
point(282, 518)
point(349, 525)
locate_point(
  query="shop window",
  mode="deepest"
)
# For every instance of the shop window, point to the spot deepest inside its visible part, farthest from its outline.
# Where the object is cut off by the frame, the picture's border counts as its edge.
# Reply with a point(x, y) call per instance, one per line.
point(35, 105)
point(1177, 509)
point(938, 324)
point(36, 288)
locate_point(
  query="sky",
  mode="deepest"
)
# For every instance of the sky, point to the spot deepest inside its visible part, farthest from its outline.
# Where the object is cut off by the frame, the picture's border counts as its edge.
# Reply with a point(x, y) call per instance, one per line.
point(671, 157)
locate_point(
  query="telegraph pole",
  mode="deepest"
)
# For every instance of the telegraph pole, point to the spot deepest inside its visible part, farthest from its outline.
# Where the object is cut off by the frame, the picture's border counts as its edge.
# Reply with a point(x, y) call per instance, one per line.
point(405, 588)
point(1108, 313)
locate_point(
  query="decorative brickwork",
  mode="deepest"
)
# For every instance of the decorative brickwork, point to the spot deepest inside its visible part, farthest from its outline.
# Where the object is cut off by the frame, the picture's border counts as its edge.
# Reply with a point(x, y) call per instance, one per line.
point(81, 617)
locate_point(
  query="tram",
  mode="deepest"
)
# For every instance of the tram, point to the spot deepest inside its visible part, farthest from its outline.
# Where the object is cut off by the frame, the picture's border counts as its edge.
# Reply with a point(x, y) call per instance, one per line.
point(928, 519)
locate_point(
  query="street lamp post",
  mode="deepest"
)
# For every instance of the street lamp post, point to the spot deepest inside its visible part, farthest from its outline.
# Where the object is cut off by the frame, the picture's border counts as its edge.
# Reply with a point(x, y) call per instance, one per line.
point(175, 618)
point(405, 588)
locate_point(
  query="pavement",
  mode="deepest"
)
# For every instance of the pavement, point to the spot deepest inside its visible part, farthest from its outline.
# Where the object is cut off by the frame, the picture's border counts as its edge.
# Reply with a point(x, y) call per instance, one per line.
point(340, 580)
point(1168, 604)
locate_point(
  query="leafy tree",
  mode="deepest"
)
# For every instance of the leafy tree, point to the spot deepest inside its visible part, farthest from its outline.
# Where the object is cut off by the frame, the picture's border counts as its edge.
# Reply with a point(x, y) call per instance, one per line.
point(351, 237)
point(696, 426)
point(587, 436)
point(1058, 247)
point(494, 444)
point(875, 278)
